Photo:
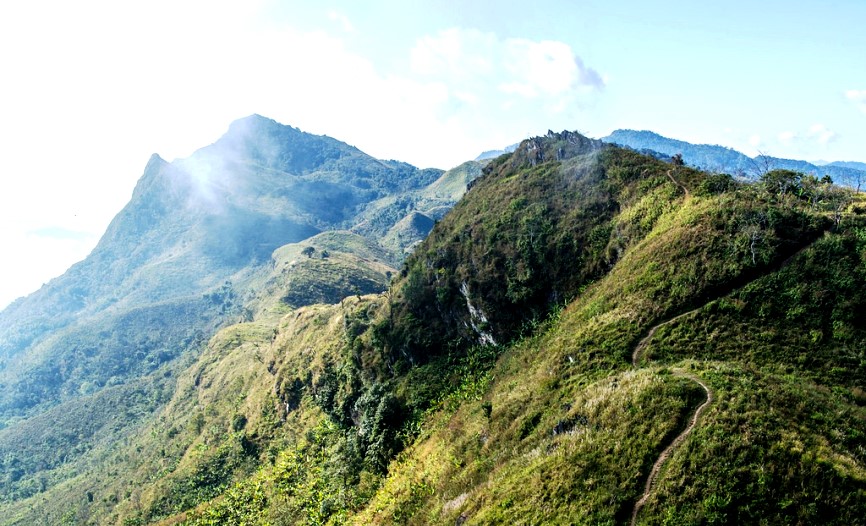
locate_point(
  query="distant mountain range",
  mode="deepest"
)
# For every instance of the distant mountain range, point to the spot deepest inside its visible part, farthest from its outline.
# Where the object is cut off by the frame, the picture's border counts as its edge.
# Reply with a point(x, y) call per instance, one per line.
point(492, 154)
point(847, 164)
point(727, 160)
point(281, 329)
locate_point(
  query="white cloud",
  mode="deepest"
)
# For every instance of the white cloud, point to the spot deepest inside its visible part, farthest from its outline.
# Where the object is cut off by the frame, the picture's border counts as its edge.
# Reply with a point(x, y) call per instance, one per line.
point(821, 134)
point(803, 141)
point(342, 20)
point(545, 68)
point(786, 137)
point(755, 140)
point(459, 55)
point(858, 97)
point(92, 91)
point(470, 62)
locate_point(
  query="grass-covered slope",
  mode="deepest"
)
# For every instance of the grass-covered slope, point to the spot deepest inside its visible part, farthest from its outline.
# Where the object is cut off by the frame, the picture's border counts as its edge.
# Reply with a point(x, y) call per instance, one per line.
point(328, 267)
point(622, 294)
point(562, 427)
point(193, 251)
point(568, 429)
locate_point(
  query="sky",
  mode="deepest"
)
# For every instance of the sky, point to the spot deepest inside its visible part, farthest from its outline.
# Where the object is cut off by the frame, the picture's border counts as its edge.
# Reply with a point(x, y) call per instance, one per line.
point(90, 89)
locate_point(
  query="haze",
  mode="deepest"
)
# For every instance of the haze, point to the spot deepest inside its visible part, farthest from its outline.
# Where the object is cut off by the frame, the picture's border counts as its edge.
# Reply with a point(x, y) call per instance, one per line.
point(91, 89)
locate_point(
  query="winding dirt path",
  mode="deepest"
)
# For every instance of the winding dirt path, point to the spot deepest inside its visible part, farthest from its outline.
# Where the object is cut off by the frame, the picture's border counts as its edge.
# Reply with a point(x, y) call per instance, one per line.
point(682, 187)
point(640, 348)
point(637, 356)
point(651, 480)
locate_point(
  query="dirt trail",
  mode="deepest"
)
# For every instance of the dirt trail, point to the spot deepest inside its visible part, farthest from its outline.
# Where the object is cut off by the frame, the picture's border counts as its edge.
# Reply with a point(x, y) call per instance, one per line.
point(651, 480)
point(636, 357)
point(644, 343)
point(682, 187)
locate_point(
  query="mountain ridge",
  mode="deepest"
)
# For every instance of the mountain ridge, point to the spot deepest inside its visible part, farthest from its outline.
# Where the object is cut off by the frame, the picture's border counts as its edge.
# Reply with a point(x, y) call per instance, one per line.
point(181, 260)
point(493, 379)
point(727, 160)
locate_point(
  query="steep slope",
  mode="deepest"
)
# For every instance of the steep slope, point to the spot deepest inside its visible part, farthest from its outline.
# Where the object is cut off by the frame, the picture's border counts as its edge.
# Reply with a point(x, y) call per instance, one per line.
point(726, 160)
point(191, 251)
point(562, 430)
point(574, 257)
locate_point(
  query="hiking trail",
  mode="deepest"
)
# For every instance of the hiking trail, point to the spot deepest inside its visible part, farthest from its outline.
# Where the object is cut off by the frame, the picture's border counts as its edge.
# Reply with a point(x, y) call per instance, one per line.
point(637, 356)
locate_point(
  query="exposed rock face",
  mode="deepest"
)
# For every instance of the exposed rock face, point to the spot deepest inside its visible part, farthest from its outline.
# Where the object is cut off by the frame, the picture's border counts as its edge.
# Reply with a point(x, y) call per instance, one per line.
point(553, 146)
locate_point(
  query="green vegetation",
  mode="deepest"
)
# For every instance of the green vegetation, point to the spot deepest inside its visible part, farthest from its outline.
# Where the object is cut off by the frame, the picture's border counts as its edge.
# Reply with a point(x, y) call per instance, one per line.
point(493, 383)
point(719, 158)
point(192, 252)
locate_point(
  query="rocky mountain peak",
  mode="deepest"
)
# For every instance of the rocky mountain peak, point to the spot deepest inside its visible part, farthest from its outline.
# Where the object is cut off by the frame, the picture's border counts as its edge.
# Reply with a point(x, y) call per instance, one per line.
point(554, 146)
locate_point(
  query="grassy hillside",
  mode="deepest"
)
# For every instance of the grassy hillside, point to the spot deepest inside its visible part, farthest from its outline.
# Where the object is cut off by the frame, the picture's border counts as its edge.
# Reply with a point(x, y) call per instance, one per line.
point(192, 252)
point(532, 359)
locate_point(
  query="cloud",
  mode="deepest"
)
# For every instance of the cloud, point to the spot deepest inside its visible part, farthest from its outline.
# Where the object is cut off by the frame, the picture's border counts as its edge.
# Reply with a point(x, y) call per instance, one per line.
point(786, 137)
point(858, 97)
point(817, 133)
point(470, 62)
point(821, 134)
point(546, 68)
point(342, 20)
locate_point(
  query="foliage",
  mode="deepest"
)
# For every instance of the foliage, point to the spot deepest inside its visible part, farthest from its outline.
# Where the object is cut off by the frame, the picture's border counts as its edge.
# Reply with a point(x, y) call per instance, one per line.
point(398, 409)
point(189, 254)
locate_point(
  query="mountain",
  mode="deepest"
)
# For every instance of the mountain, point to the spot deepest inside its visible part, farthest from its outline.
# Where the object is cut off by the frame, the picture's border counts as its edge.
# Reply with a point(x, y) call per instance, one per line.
point(631, 303)
point(492, 154)
point(590, 335)
point(189, 227)
point(726, 160)
point(190, 253)
point(849, 164)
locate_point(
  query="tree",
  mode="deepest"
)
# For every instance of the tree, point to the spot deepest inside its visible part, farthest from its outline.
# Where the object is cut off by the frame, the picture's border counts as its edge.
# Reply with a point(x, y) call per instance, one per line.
point(812, 189)
point(677, 160)
point(762, 164)
point(308, 251)
point(837, 200)
point(781, 182)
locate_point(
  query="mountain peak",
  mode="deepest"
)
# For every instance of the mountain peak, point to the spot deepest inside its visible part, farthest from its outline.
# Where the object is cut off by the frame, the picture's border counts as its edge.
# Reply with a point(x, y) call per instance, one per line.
point(255, 122)
point(559, 146)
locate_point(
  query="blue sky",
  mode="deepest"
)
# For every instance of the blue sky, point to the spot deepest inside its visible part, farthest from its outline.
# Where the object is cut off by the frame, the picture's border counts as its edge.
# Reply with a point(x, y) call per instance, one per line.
point(91, 88)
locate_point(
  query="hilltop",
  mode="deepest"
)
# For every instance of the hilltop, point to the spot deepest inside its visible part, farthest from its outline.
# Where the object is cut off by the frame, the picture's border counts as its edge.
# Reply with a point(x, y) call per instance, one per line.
point(589, 336)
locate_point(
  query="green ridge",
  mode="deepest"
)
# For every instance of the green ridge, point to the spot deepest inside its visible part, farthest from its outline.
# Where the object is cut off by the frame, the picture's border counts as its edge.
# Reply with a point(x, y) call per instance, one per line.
point(397, 408)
